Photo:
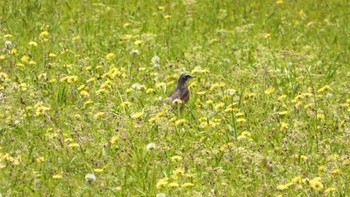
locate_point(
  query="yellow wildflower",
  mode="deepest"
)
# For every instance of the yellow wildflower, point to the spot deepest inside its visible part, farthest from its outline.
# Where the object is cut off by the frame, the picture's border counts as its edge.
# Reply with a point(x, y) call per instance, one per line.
point(176, 158)
point(270, 90)
point(137, 115)
point(114, 139)
point(316, 183)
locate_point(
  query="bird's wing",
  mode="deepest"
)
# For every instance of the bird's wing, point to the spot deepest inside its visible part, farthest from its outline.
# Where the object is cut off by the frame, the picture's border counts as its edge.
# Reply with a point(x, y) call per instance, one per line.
point(185, 96)
point(175, 94)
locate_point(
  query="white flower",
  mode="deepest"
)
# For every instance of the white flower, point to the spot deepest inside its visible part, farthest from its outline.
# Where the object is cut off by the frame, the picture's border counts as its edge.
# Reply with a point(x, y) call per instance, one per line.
point(134, 52)
point(155, 61)
point(136, 86)
point(8, 43)
point(151, 146)
point(90, 177)
point(161, 195)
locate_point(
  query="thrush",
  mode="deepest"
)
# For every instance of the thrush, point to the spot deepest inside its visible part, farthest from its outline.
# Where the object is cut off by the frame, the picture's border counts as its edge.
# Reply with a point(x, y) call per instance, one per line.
point(181, 91)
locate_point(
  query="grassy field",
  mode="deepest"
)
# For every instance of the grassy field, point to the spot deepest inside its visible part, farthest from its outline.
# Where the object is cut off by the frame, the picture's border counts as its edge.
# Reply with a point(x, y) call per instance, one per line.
point(83, 87)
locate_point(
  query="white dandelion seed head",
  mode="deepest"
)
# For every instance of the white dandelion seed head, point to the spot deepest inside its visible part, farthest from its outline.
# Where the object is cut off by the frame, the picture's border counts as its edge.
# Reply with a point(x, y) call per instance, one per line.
point(155, 61)
point(161, 195)
point(90, 177)
point(8, 43)
point(134, 52)
point(136, 86)
point(151, 146)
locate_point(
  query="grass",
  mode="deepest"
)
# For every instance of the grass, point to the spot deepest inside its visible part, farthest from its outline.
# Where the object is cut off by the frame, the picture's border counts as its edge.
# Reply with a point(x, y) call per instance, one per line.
point(83, 92)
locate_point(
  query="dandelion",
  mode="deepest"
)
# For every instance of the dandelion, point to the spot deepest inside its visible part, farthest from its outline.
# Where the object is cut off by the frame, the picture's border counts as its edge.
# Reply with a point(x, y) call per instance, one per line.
point(269, 90)
point(162, 183)
point(219, 106)
point(110, 56)
point(296, 179)
point(161, 7)
point(281, 113)
point(90, 178)
point(33, 44)
point(98, 115)
point(176, 158)
point(178, 172)
point(324, 89)
point(320, 117)
point(52, 55)
point(150, 91)
point(73, 145)
point(187, 184)
point(98, 170)
point(241, 120)
point(173, 184)
point(134, 52)
point(280, 98)
point(137, 115)
point(329, 190)
point(167, 16)
point(114, 139)
point(336, 171)
point(180, 121)
point(44, 34)
point(138, 42)
point(57, 176)
point(126, 104)
point(25, 59)
point(155, 61)
point(316, 183)
point(151, 146)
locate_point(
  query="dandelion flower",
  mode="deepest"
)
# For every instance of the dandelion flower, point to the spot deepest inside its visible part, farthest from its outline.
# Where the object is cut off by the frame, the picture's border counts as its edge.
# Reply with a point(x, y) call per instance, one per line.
point(176, 158)
point(162, 183)
point(57, 176)
point(269, 90)
point(114, 139)
point(90, 177)
point(151, 146)
point(316, 183)
point(137, 115)
point(329, 190)
point(187, 185)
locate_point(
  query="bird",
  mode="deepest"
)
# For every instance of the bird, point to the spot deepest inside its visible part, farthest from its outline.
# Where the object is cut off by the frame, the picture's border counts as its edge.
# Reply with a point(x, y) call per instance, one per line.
point(181, 92)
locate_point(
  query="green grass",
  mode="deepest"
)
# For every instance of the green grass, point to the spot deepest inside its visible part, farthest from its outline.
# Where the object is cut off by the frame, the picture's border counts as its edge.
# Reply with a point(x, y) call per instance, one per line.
point(268, 113)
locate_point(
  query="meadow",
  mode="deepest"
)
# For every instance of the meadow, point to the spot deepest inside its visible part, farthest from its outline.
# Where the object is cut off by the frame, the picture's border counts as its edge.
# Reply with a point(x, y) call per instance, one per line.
point(83, 88)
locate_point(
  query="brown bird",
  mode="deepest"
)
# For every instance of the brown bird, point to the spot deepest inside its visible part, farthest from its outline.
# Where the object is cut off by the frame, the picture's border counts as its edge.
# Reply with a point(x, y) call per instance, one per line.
point(181, 90)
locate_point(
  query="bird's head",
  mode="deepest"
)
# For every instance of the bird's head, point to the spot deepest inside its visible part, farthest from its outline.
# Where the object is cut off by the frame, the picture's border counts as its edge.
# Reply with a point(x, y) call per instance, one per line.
point(184, 78)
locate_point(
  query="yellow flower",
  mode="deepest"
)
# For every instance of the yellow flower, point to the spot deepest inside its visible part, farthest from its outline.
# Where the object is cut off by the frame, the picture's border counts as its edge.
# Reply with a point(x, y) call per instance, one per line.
point(137, 115)
point(241, 120)
point(73, 145)
point(32, 43)
point(296, 179)
point(282, 97)
point(126, 104)
point(178, 172)
point(110, 56)
point(331, 189)
point(173, 184)
point(40, 159)
point(282, 113)
point(320, 117)
point(336, 171)
point(219, 106)
point(176, 158)
point(162, 183)
point(99, 115)
point(284, 186)
point(180, 121)
point(84, 93)
point(270, 90)
point(44, 34)
point(52, 55)
point(150, 91)
point(114, 139)
point(98, 170)
point(316, 183)
point(279, 2)
point(2, 57)
point(57, 176)
point(324, 88)
point(25, 58)
point(138, 42)
point(187, 184)
point(161, 7)
point(167, 16)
